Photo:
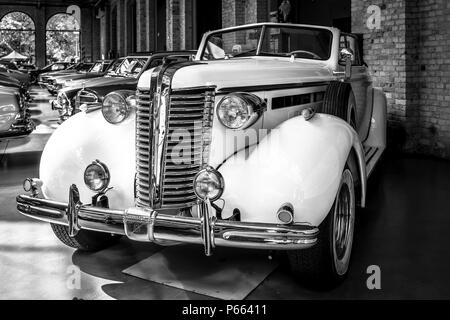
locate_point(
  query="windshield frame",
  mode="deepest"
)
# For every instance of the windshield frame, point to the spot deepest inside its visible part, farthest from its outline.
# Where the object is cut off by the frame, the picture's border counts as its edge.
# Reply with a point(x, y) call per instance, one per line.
point(263, 27)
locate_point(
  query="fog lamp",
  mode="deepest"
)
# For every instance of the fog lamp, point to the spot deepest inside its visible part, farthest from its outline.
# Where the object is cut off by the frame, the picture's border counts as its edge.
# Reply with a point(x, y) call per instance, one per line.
point(286, 213)
point(96, 176)
point(208, 184)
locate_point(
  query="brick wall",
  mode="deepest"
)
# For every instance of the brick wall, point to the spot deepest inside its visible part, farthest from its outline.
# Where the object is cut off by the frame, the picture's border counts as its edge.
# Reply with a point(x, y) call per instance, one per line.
point(408, 59)
point(430, 28)
point(179, 26)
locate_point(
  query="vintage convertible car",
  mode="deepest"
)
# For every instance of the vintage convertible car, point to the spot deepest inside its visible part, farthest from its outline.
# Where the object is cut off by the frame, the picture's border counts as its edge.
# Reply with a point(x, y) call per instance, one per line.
point(15, 118)
point(265, 141)
point(90, 93)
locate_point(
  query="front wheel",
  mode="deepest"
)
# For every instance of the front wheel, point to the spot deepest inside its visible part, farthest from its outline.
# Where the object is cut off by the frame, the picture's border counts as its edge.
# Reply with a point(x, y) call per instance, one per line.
point(328, 261)
point(85, 240)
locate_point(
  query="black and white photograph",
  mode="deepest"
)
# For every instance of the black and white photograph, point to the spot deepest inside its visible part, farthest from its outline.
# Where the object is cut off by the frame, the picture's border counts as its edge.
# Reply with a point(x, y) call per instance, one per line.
point(224, 151)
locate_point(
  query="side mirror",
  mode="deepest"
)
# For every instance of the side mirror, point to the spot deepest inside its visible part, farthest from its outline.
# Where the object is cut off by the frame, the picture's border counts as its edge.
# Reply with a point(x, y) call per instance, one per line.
point(346, 55)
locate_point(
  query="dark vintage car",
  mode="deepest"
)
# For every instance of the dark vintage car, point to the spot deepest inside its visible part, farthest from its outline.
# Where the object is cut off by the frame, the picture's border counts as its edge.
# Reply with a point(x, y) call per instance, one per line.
point(57, 66)
point(97, 70)
point(15, 118)
point(90, 93)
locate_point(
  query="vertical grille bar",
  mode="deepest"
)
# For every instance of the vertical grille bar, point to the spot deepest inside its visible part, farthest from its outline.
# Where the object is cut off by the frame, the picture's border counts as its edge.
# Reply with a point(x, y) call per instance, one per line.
point(143, 137)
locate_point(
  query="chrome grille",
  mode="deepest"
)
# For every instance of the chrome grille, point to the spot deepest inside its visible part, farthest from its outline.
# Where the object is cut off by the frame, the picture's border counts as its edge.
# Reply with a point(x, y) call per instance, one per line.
point(143, 112)
point(186, 148)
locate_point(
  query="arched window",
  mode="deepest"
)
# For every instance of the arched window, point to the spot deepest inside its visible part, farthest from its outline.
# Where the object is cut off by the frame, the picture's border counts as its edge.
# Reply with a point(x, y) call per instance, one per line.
point(63, 38)
point(17, 33)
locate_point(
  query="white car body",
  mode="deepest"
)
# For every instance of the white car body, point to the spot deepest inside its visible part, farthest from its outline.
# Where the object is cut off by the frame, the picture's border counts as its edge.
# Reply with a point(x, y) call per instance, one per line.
point(290, 159)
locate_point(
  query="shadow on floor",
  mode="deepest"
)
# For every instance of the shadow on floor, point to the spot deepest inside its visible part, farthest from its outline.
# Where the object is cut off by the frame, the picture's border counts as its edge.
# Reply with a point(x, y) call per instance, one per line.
point(403, 230)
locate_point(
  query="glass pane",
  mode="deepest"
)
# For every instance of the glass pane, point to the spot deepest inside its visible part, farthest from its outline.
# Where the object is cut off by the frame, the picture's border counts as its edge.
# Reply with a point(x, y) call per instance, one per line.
point(301, 42)
point(232, 44)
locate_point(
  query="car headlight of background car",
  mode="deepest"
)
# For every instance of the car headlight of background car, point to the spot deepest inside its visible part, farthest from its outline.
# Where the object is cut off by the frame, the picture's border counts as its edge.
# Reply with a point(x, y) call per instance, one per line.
point(240, 110)
point(118, 105)
point(63, 100)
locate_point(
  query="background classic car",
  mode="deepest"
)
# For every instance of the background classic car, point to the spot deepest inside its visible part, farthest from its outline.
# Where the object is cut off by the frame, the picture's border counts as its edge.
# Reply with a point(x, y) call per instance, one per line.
point(57, 66)
point(97, 70)
point(265, 141)
point(124, 77)
point(15, 118)
point(46, 79)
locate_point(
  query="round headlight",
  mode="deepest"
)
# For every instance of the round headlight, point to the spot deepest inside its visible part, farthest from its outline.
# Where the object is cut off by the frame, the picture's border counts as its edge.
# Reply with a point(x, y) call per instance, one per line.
point(96, 176)
point(208, 183)
point(240, 110)
point(115, 108)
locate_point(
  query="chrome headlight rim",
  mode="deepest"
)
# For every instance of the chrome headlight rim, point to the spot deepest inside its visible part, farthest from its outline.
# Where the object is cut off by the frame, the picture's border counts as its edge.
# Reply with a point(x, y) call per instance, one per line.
point(64, 101)
point(106, 176)
point(255, 107)
point(220, 187)
point(129, 101)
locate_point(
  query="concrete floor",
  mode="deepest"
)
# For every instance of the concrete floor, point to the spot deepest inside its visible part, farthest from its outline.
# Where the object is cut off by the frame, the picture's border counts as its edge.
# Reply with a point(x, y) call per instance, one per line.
point(403, 230)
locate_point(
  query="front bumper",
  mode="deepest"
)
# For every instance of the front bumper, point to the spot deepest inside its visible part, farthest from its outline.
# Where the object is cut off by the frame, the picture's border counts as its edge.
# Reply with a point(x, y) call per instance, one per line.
point(152, 226)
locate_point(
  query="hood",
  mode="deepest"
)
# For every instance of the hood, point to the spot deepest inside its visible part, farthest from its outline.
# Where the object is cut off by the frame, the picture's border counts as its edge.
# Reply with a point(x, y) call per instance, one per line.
point(8, 81)
point(102, 86)
point(59, 73)
point(22, 77)
point(254, 71)
point(78, 76)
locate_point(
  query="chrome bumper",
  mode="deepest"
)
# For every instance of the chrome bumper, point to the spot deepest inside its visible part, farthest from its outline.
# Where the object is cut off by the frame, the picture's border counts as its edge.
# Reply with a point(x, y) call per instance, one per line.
point(19, 129)
point(151, 226)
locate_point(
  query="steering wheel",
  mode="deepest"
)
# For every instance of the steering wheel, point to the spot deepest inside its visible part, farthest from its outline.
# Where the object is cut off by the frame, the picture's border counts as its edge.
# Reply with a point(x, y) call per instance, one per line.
point(315, 56)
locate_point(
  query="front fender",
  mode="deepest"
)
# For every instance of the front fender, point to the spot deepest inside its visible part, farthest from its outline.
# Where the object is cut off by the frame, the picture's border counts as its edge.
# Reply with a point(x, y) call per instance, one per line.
point(80, 140)
point(299, 162)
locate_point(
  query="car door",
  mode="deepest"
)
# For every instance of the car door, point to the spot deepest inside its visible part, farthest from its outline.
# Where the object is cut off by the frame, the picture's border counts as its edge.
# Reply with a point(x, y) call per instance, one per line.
point(361, 84)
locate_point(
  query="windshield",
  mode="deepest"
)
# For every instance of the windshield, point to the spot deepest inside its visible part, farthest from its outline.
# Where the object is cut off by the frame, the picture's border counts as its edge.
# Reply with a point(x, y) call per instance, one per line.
point(279, 41)
point(97, 67)
point(113, 66)
point(84, 67)
point(131, 67)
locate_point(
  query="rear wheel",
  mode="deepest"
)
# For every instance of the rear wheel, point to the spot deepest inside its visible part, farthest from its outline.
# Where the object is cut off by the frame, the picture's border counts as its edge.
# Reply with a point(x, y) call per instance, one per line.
point(328, 261)
point(85, 240)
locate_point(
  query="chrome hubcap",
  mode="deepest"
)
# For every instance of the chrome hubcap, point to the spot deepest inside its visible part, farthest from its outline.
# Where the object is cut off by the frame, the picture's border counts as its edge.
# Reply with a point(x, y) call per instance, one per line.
point(343, 223)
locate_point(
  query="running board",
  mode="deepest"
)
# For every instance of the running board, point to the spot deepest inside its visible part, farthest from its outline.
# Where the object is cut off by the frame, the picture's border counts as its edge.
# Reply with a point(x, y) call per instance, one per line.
point(372, 155)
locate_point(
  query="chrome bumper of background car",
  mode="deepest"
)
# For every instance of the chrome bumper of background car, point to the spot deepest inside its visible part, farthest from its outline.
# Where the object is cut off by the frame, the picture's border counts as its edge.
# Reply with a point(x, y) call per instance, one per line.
point(20, 128)
point(151, 226)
